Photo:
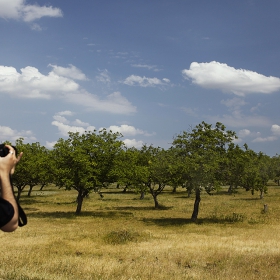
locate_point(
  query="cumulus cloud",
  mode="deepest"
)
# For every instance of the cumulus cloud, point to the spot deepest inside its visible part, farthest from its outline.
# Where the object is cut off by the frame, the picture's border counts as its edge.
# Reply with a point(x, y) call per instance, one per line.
point(215, 75)
point(127, 130)
point(244, 133)
point(275, 128)
point(264, 139)
point(30, 83)
point(65, 113)
point(50, 145)
point(71, 72)
point(19, 10)
point(9, 134)
point(134, 80)
point(59, 83)
point(64, 125)
point(133, 143)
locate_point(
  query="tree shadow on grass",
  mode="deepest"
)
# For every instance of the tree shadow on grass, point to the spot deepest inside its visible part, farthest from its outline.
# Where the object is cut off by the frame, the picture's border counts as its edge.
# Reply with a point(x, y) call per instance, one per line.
point(168, 221)
point(141, 208)
point(28, 201)
point(72, 215)
point(249, 198)
point(185, 221)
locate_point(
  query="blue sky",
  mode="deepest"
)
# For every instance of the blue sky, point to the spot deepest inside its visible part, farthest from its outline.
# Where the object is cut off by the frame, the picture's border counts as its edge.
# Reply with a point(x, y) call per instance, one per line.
point(148, 69)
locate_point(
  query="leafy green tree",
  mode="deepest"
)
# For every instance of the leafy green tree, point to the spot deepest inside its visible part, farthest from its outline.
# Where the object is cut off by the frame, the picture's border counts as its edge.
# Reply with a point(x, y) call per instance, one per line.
point(144, 170)
point(175, 167)
point(160, 173)
point(128, 169)
point(33, 167)
point(41, 161)
point(275, 163)
point(257, 172)
point(203, 150)
point(233, 167)
point(103, 149)
point(85, 162)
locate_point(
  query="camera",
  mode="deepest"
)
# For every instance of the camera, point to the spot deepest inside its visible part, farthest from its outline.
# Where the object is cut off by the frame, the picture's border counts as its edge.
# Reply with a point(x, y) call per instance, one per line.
point(5, 151)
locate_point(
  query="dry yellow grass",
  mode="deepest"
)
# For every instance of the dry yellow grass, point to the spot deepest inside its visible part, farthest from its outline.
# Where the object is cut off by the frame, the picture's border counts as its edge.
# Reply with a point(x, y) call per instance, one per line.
point(122, 237)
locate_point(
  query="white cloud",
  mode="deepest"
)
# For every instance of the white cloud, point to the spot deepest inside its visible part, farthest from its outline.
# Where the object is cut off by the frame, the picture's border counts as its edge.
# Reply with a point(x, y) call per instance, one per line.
point(134, 80)
point(65, 128)
point(190, 111)
point(234, 102)
point(70, 72)
point(36, 27)
point(266, 139)
point(19, 10)
point(275, 128)
point(244, 133)
point(50, 145)
point(215, 75)
point(166, 80)
point(255, 108)
point(133, 143)
point(114, 103)
point(127, 130)
point(9, 134)
point(80, 123)
point(103, 77)
point(65, 113)
point(30, 83)
point(150, 67)
point(61, 119)
point(64, 125)
point(239, 120)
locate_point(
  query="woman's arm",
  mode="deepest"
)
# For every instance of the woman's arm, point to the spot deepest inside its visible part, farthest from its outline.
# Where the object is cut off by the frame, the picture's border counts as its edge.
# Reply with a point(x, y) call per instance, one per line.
point(7, 167)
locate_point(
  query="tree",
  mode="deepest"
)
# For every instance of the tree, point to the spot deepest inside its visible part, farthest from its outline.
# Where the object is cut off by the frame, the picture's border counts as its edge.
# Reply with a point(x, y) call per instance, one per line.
point(275, 163)
point(234, 167)
point(160, 173)
point(33, 168)
point(257, 172)
point(204, 151)
point(84, 162)
point(128, 169)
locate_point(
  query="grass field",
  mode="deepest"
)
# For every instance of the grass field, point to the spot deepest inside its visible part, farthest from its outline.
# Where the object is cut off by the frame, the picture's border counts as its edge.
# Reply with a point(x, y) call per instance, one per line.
point(122, 237)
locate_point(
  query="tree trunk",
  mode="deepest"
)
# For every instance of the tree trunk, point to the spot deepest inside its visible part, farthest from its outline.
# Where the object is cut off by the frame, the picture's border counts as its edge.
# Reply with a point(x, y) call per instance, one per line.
point(43, 185)
point(30, 190)
point(156, 201)
point(261, 194)
point(80, 199)
point(19, 191)
point(230, 189)
point(196, 205)
point(174, 189)
point(142, 195)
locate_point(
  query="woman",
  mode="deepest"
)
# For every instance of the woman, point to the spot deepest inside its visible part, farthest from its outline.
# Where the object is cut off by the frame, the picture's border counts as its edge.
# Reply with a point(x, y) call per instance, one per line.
point(9, 213)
